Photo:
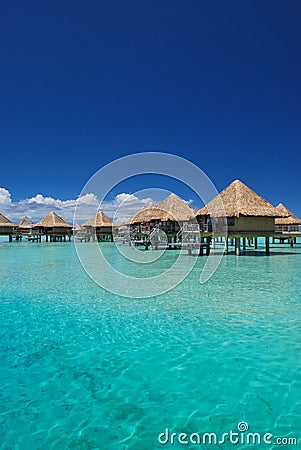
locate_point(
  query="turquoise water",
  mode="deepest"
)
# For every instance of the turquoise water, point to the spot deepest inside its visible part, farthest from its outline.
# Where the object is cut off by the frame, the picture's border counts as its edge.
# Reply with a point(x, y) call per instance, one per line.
point(81, 368)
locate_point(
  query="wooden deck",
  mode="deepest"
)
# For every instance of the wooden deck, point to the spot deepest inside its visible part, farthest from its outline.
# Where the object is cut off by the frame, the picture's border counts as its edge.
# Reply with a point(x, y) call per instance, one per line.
point(192, 241)
point(240, 240)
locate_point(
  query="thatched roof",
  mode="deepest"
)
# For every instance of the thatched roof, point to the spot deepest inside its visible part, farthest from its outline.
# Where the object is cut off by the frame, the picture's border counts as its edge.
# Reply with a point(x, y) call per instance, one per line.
point(4, 222)
point(52, 220)
point(239, 200)
point(177, 208)
point(291, 219)
point(171, 208)
point(99, 220)
point(26, 222)
point(146, 213)
point(78, 227)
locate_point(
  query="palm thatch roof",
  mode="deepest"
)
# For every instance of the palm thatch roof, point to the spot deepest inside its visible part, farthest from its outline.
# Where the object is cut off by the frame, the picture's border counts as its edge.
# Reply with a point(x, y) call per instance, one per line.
point(26, 222)
point(78, 227)
point(146, 213)
point(176, 207)
point(291, 219)
point(239, 200)
point(4, 222)
point(171, 208)
point(99, 220)
point(52, 220)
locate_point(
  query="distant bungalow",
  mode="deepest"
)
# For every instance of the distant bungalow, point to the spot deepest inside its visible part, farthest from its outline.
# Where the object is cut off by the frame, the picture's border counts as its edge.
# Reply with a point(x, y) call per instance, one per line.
point(290, 223)
point(53, 227)
point(6, 227)
point(23, 228)
point(248, 214)
point(179, 212)
point(168, 216)
point(100, 227)
point(25, 225)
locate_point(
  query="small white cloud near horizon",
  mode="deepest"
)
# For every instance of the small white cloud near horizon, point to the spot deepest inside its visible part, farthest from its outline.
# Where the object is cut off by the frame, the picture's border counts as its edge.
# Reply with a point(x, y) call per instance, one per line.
point(5, 197)
point(122, 207)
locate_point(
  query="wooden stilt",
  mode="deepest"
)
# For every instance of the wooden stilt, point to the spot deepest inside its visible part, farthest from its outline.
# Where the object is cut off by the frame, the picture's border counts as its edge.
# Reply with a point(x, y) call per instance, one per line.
point(201, 249)
point(255, 243)
point(267, 245)
point(226, 245)
point(208, 246)
point(244, 243)
point(237, 246)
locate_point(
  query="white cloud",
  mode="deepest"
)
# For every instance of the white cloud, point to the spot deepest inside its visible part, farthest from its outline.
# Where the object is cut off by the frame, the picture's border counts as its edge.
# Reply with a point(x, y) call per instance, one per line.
point(5, 197)
point(120, 208)
point(40, 199)
point(120, 198)
point(89, 199)
point(123, 206)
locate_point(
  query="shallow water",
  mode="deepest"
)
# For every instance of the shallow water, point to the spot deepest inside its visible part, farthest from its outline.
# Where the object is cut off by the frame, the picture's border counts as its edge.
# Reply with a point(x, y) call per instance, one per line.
point(81, 368)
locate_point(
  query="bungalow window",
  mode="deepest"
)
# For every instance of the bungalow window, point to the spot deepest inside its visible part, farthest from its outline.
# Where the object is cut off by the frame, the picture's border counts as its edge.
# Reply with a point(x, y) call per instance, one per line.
point(230, 221)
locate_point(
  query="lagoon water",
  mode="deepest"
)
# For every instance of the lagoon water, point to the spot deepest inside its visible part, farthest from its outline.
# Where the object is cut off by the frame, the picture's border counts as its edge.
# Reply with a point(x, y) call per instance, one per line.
point(82, 368)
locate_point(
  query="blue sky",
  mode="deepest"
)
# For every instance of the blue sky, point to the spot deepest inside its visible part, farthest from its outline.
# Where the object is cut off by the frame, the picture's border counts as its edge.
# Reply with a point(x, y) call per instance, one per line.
point(83, 83)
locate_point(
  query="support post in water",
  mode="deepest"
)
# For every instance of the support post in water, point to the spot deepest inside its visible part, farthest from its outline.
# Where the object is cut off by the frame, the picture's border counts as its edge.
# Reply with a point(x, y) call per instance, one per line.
point(267, 245)
point(237, 246)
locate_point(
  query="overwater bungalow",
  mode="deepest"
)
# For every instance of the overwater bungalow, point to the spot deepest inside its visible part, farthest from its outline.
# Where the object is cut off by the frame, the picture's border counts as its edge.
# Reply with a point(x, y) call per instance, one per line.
point(248, 215)
point(80, 233)
point(6, 227)
point(288, 224)
point(53, 227)
point(170, 216)
point(24, 227)
point(144, 224)
point(25, 224)
point(99, 227)
point(178, 212)
point(287, 228)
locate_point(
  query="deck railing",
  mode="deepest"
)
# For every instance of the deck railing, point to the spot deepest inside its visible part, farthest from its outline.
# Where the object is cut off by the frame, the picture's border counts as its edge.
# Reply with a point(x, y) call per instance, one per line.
point(288, 228)
point(190, 227)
